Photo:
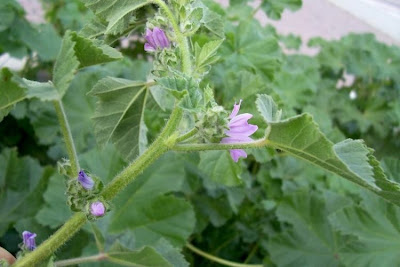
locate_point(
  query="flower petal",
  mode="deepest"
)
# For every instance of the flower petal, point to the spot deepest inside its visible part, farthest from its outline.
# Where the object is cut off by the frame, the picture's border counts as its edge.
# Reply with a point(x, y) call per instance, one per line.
point(236, 139)
point(149, 48)
point(237, 153)
point(236, 108)
point(243, 130)
point(240, 120)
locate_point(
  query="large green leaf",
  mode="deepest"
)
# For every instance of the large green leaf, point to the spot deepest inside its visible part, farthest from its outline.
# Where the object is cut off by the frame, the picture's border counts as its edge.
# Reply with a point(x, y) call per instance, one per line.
point(119, 116)
point(351, 159)
point(10, 92)
point(55, 211)
point(22, 184)
point(220, 167)
point(311, 242)
point(118, 13)
point(78, 52)
point(143, 209)
point(375, 223)
point(251, 47)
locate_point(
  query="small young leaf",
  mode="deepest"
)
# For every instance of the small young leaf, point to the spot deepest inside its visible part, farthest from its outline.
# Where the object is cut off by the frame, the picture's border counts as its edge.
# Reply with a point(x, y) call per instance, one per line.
point(268, 109)
point(206, 55)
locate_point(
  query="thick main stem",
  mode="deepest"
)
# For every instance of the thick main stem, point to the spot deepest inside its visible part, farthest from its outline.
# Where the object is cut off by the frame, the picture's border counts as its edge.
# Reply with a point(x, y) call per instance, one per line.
point(54, 242)
point(163, 143)
point(66, 132)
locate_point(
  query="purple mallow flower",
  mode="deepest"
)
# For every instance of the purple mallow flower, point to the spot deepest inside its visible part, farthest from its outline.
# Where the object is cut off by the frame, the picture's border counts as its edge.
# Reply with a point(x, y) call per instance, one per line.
point(97, 209)
point(29, 240)
point(239, 131)
point(85, 180)
point(155, 39)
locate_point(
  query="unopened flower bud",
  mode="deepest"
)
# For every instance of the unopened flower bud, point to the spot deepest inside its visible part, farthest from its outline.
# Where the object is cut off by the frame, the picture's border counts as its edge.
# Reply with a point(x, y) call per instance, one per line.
point(29, 240)
point(97, 209)
point(85, 180)
point(155, 39)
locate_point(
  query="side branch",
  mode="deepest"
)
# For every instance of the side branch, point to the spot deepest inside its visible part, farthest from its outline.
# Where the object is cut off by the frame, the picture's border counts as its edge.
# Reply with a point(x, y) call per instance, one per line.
point(218, 146)
point(219, 260)
point(66, 132)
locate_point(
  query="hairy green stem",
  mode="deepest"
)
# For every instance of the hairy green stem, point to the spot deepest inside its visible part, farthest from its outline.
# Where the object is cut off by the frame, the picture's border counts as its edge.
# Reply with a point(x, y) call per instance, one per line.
point(164, 142)
point(182, 41)
point(187, 135)
point(218, 146)
point(49, 246)
point(66, 132)
point(74, 261)
point(219, 260)
point(161, 145)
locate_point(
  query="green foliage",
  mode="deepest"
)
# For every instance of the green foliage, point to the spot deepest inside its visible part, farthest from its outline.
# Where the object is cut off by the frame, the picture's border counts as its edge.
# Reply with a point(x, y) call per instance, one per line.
point(311, 242)
point(117, 13)
point(219, 166)
point(274, 8)
point(119, 116)
point(278, 207)
point(22, 182)
point(154, 215)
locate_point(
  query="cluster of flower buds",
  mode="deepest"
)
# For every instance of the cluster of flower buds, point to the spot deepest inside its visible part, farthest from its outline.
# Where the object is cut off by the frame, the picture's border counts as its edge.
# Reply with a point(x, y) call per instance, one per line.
point(83, 194)
point(212, 124)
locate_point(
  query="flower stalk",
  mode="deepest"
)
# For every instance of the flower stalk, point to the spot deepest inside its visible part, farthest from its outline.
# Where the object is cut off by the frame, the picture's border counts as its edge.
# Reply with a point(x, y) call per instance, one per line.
point(66, 132)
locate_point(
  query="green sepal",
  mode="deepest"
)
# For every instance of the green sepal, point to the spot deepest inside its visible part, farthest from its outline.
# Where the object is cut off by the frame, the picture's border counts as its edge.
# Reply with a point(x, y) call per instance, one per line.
point(78, 196)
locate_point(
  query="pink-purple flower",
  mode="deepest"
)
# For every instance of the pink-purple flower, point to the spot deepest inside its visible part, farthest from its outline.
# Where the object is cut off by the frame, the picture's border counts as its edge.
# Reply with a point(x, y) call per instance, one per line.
point(156, 39)
point(29, 240)
point(239, 131)
point(97, 209)
point(85, 180)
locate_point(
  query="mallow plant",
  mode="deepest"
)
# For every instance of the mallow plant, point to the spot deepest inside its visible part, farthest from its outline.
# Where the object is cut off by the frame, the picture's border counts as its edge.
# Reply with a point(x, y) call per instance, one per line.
point(178, 112)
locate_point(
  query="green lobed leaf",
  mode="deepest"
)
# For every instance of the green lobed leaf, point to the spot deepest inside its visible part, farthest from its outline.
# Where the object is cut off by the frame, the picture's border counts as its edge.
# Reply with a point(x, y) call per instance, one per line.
point(184, 89)
point(43, 39)
point(206, 55)
point(78, 52)
point(22, 183)
point(351, 159)
point(115, 11)
point(55, 211)
point(119, 115)
point(250, 47)
point(219, 166)
point(311, 242)
point(144, 210)
point(375, 223)
point(10, 92)
point(66, 65)
point(275, 8)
